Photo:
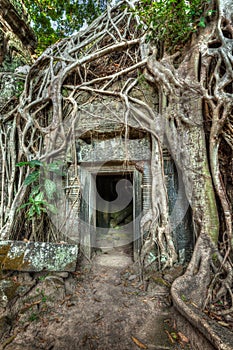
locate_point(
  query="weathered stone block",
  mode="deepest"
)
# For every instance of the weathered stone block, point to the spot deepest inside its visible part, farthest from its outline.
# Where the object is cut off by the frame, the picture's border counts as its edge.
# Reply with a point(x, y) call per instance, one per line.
point(114, 149)
point(37, 256)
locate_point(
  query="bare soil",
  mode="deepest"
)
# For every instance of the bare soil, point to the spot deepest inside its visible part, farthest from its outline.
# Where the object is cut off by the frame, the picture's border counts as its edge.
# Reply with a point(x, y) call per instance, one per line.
point(102, 306)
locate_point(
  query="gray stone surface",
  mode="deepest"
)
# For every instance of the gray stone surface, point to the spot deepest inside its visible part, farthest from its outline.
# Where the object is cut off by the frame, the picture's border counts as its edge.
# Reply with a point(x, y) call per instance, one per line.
point(37, 256)
point(115, 260)
point(115, 149)
point(23, 69)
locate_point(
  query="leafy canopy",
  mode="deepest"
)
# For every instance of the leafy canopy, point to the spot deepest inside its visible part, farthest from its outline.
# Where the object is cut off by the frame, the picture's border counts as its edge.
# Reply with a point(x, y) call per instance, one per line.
point(172, 21)
point(56, 19)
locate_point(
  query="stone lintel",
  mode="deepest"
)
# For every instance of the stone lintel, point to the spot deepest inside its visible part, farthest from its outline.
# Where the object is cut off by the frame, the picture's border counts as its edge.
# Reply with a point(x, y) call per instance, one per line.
point(37, 256)
point(114, 149)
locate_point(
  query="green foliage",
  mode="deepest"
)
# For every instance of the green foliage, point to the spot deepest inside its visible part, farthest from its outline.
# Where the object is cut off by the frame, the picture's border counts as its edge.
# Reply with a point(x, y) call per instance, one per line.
point(42, 278)
point(184, 298)
point(20, 8)
point(56, 19)
point(50, 188)
point(19, 86)
point(33, 317)
point(43, 189)
point(172, 21)
point(215, 257)
point(10, 64)
point(33, 177)
point(174, 335)
point(42, 294)
point(31, 163)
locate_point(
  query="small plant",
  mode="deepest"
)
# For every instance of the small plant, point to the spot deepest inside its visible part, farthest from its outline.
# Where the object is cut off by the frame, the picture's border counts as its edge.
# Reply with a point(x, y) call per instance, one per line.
point(19, 86)
point(184, 298)
point(44, 298)
point(42, 278)
point(174, 335)
point(215, 257)
point(33, 317)
point(43, 189)
point(42, 294)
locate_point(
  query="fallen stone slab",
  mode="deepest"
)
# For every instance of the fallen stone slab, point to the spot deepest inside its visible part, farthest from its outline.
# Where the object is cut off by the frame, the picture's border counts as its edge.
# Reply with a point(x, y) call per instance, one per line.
point(37, 256)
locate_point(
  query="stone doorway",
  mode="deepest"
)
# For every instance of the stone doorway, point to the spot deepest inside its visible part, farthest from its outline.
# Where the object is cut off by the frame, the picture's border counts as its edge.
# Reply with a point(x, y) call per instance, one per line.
point(111, 208)
point(114, 212)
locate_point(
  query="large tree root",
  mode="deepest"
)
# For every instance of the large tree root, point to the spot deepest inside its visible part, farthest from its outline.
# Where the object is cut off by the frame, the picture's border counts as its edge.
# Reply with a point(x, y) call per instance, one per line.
point(187, 292)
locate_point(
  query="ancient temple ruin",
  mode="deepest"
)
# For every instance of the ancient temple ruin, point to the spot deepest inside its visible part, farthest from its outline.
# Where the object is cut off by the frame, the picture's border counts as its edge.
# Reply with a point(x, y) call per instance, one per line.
point(87, 105)
point(111, 191)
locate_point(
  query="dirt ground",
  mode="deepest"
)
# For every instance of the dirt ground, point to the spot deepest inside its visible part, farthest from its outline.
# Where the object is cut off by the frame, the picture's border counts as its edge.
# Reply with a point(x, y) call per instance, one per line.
point(102, 306)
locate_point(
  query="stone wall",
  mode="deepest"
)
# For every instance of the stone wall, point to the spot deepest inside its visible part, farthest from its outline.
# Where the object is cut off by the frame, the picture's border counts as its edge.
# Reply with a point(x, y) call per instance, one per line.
point(17, 43)
point(97, 151)
point(17, 38)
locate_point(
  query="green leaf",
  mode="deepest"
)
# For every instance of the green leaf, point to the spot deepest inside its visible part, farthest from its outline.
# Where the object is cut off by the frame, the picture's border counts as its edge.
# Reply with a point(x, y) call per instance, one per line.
point(31, 212)
point(174, 335)
point(22, 164)
point(39, 197)
point(55, 167)
point(37, 210)
point(171, 21)
point(23, 206)
point(53, 19)
point(43, 209)
point(34, 163)
point(31, 200)
point(50, 188)
point(31, 163)
point(32, 177)
point(202, 22)
point(51, 208)
point(35, 190)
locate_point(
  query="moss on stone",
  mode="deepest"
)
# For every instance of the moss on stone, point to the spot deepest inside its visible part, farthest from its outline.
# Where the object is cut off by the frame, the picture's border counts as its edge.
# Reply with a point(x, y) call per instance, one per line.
point(14, 263)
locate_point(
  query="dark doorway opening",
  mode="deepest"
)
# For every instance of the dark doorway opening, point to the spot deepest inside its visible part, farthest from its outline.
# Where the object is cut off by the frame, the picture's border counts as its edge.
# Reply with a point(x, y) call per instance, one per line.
point(114, 210)
point(114, 199)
